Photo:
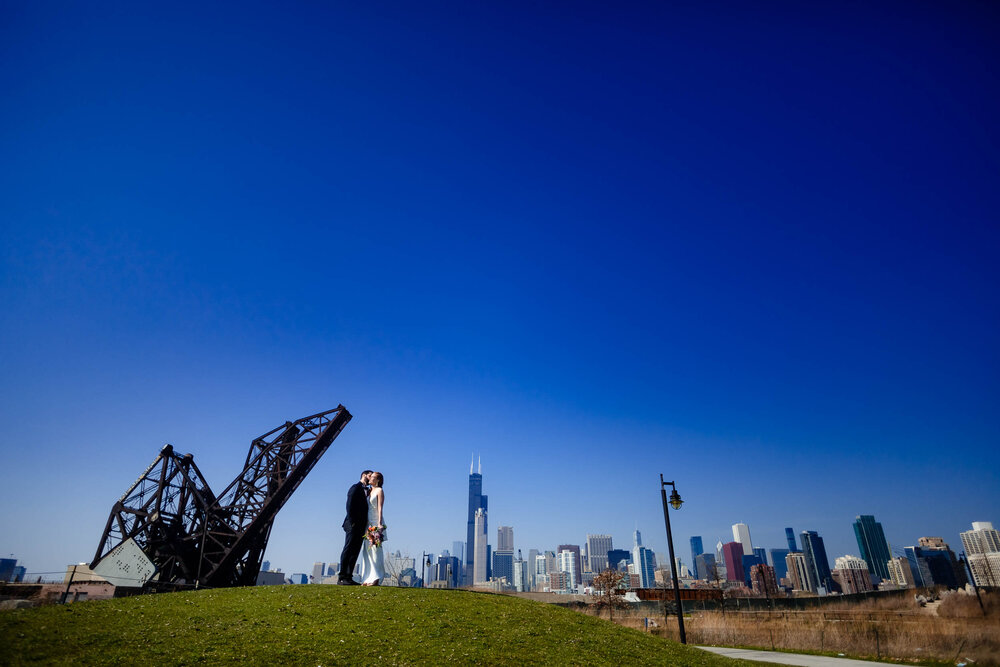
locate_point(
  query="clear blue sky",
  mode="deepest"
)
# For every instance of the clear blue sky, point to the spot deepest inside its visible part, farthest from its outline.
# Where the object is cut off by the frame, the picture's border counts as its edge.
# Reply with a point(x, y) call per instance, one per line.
point(753, 247)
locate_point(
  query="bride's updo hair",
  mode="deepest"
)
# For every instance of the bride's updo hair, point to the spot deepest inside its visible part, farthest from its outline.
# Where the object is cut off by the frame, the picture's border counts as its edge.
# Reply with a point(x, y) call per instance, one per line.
point(376, 479)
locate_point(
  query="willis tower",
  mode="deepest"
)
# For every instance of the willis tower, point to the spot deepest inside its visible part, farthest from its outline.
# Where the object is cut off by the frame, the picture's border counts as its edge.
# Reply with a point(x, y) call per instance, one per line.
point(476, 501)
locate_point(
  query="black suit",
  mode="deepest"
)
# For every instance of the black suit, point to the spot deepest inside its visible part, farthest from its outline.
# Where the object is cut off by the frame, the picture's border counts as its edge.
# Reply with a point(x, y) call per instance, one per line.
point(355, 526)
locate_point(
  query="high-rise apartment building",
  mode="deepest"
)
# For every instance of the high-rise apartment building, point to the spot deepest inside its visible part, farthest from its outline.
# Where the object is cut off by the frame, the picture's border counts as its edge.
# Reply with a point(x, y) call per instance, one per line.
point(763, 581)
point(505, 538)
point(696, 550)
point(900, 572)
point(598, 547)
point(480, 574)
point(852, 574)
point(741, 534)
point(560, 581)
point(873, 545)
point(540, 570)
point(578, 569)
point(798, 572)
point(817, 562)
point(521, 576)
point(318, 572)
point(568, 563)
point(982, 550)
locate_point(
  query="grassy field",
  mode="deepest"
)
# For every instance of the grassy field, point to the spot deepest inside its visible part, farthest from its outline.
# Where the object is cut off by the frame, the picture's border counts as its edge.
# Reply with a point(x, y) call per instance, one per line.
point(328, 625)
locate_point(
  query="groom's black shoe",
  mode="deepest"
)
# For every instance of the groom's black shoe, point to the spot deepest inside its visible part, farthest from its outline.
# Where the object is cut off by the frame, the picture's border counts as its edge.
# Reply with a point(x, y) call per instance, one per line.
point(347, 582)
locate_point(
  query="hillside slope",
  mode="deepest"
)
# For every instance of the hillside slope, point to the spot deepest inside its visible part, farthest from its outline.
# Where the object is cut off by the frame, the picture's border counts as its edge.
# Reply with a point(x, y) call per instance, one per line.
point(328, 625)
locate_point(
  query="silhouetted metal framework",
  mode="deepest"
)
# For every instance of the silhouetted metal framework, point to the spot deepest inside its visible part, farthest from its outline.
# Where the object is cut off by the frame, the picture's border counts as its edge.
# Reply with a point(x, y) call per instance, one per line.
point(196, 538)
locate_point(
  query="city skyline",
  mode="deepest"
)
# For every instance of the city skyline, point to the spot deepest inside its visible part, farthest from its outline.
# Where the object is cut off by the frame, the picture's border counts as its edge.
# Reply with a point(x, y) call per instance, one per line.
point(750, 249)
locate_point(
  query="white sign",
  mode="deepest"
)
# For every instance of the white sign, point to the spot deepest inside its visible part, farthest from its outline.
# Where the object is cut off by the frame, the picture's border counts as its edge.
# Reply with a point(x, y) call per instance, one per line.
point(126, 565)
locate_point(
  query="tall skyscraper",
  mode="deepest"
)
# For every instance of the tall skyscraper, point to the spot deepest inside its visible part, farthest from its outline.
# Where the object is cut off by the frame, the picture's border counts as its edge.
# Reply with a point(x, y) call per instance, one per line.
point(982, 549)
point(696, 550)
point(598, 547)
point(458, 551)
point(319, 570)
point(706, 567)
point(532, 556)
point(477, 501)
point(616, 556)
point(873, 546)
point(790, 536)
point(521, 575)
point(644, 562)
point(900, 572)
point(741, 534)
point(568, 562)
point(480, 574)
point(933, 563)
point(816, 560)
point(732, 554)
point(578, 570)
point(982, 539)
point(798, 572)
point(503, 565)
point(551, 562)
point(776, 559)
point(505, 538)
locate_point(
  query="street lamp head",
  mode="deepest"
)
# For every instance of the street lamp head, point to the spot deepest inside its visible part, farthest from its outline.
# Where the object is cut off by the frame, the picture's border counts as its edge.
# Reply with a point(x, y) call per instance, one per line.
point(675, 500)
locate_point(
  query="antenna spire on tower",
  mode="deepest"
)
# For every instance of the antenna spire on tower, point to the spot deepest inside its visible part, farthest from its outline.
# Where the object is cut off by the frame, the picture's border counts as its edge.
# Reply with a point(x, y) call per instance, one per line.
point(480, 464)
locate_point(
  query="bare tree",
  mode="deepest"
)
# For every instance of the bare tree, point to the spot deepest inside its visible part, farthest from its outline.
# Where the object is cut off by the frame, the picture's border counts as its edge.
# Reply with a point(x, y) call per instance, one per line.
point(606, 593)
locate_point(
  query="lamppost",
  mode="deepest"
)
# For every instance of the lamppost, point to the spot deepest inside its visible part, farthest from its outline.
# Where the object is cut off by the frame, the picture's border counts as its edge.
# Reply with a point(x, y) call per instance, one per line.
point(425, 563)
point(675, 502)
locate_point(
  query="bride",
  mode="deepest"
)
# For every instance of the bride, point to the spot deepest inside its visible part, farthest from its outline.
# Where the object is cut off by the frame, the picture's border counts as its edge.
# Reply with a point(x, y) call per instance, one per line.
point(372, 560)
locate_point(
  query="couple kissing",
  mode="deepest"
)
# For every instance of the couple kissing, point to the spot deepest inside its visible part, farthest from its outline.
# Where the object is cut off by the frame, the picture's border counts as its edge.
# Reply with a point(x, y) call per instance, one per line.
point(364, 527)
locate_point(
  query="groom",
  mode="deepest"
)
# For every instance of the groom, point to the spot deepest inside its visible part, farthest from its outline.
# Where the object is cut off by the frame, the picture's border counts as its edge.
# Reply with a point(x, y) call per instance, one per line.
point(355, 526)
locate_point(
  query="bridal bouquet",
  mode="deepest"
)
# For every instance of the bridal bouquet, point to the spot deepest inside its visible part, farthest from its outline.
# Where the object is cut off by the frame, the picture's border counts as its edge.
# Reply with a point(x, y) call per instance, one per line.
point(375, 535)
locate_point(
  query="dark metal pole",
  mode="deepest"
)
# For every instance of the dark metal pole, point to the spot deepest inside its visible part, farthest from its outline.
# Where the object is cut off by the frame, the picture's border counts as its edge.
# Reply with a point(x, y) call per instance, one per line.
point(68, 584)
point(673, 561)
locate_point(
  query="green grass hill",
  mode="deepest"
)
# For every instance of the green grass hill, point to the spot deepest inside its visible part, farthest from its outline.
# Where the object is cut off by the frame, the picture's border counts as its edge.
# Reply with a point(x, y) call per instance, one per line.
point(328, 625)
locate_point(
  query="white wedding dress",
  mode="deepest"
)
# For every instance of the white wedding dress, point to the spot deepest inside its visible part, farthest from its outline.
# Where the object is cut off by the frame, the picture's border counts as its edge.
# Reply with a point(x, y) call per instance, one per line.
point(372, 559)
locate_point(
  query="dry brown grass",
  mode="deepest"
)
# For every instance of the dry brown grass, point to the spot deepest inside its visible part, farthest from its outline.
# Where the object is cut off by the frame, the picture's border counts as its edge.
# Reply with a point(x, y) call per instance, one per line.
point(877, 628)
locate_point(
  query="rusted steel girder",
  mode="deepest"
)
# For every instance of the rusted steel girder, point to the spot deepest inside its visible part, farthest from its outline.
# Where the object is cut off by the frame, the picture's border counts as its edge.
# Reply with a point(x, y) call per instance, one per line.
point(196, 538)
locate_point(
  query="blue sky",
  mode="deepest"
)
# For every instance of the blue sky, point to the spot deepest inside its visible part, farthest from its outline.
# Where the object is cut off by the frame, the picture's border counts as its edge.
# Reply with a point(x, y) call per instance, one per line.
point(752, 248)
